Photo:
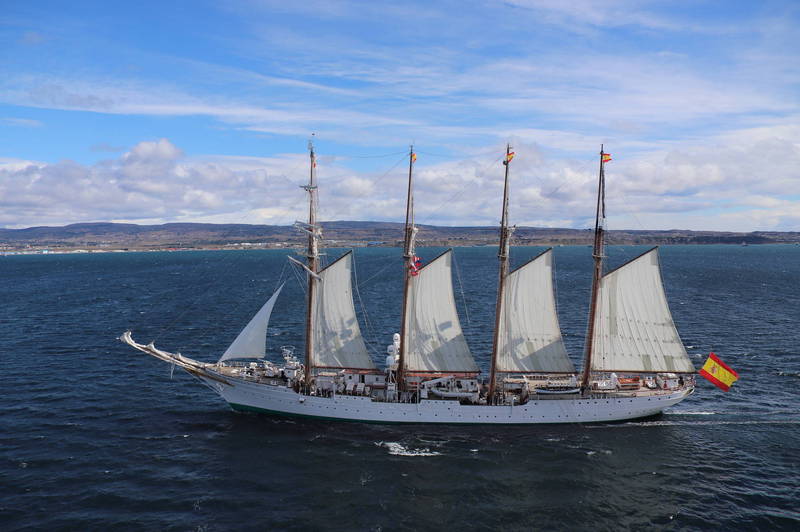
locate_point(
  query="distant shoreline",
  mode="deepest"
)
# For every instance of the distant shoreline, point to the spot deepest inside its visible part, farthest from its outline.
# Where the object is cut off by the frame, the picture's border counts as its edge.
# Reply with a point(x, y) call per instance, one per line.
point(94, 251)
point(113, 237)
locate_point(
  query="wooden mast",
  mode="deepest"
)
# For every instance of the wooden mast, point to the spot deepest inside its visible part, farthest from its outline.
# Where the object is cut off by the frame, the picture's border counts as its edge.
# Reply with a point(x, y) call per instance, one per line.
point(408, 261)
point(502, 255)
point(312, 255)
point(597, 254)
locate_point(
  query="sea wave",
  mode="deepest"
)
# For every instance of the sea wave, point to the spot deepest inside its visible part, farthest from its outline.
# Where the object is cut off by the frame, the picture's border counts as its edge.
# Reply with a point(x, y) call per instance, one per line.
point(665, 423)
point(398, 449)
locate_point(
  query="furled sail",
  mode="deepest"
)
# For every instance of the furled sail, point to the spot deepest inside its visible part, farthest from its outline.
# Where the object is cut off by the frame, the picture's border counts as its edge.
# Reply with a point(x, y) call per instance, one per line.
point(434, 341)
point(529, 337)
point(252, 341)
point(634, 330)
point(337, 340)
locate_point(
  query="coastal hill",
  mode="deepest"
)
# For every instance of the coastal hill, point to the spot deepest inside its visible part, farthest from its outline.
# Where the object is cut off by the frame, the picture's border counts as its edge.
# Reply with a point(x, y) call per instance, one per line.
point(345, 233)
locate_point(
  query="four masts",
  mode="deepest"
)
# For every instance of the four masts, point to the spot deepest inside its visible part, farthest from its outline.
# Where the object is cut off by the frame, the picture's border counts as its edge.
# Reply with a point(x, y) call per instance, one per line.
point(631, 332)
point(630, 327)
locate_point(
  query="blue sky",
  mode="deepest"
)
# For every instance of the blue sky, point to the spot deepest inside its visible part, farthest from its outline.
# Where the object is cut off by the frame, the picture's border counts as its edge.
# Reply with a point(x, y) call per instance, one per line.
point(195, 111)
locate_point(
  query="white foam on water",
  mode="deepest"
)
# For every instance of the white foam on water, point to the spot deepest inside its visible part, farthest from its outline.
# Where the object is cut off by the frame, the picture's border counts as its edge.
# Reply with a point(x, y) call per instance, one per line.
point(604, 451)
point(398, 449)
point(690, 413)
point(435, 443)
point(697, 423)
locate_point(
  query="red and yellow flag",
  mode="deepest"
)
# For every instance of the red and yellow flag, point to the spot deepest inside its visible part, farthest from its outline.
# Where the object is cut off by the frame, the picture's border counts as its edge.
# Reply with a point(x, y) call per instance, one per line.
point(413, 157)
point(606, 157)
point(719, 373)
point(509, 156)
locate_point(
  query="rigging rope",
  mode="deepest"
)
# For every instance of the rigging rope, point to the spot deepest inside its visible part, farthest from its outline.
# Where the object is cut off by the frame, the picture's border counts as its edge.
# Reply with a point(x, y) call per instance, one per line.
point(367, 321)
point(461, 287)
point(388, 265)
point(280, 277)
point(210, 279)
point(295, 269)
point(458, 194)
point(436, 155)
point(404, 152)
point(360, 196)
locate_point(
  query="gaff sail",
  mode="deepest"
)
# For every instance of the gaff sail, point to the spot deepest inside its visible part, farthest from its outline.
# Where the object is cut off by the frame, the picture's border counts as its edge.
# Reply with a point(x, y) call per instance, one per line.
point(337, 340)
point(529, 337)
point(634, 331)
point(434, 340)
point(252, 341)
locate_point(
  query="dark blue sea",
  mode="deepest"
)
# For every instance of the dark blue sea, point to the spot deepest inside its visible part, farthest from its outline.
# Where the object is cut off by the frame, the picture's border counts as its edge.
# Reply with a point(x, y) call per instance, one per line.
point(96, 436)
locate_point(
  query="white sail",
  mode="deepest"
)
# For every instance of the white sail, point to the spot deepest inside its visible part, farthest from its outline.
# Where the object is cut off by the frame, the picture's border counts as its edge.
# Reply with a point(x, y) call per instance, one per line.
point(252, 341)
point(434, 341)
point(337, 340)
point(634, 331)
point(529, 337)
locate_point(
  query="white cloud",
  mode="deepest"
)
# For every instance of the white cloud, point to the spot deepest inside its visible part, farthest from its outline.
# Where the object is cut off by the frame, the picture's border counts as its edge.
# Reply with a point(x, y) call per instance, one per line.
point(149, 151)
point(704, 187)
point(12, 164)
point(22, 122)
point(32, 38)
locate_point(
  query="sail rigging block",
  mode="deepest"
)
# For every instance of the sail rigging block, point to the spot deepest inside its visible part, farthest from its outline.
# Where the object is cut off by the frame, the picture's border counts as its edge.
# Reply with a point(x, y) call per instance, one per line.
point(529, 336)
point(434, 340)
point(252, 341)
point(337, 337)
point(634, 330)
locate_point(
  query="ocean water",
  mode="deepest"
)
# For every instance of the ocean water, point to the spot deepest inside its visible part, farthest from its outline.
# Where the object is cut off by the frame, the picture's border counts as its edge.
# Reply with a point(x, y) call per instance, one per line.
point(96, 436)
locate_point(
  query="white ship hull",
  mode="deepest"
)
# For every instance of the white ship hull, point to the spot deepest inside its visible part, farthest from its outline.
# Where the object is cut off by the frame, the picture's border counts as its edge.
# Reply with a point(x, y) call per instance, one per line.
point(243, 395)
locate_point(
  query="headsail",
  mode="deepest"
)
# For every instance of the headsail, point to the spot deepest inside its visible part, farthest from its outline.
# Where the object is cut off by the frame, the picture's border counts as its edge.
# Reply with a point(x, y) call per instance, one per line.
point(434, 338)
point(252, 341)
point(634, 330)
point(529, 337)
point(337, 337)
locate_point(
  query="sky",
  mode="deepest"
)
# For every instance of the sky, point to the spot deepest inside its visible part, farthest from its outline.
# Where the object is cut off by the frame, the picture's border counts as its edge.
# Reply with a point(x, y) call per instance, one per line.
point(154, 112)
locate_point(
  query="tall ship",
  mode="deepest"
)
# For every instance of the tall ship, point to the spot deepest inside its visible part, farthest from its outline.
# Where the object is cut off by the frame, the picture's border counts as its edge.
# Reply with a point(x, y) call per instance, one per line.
point(634, 362)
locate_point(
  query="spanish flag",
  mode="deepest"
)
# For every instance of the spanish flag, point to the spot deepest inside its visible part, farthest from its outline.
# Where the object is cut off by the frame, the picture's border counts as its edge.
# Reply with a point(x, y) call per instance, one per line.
point(606, 157)
point(719, 373)
point(509, 156)
point(413, 157)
